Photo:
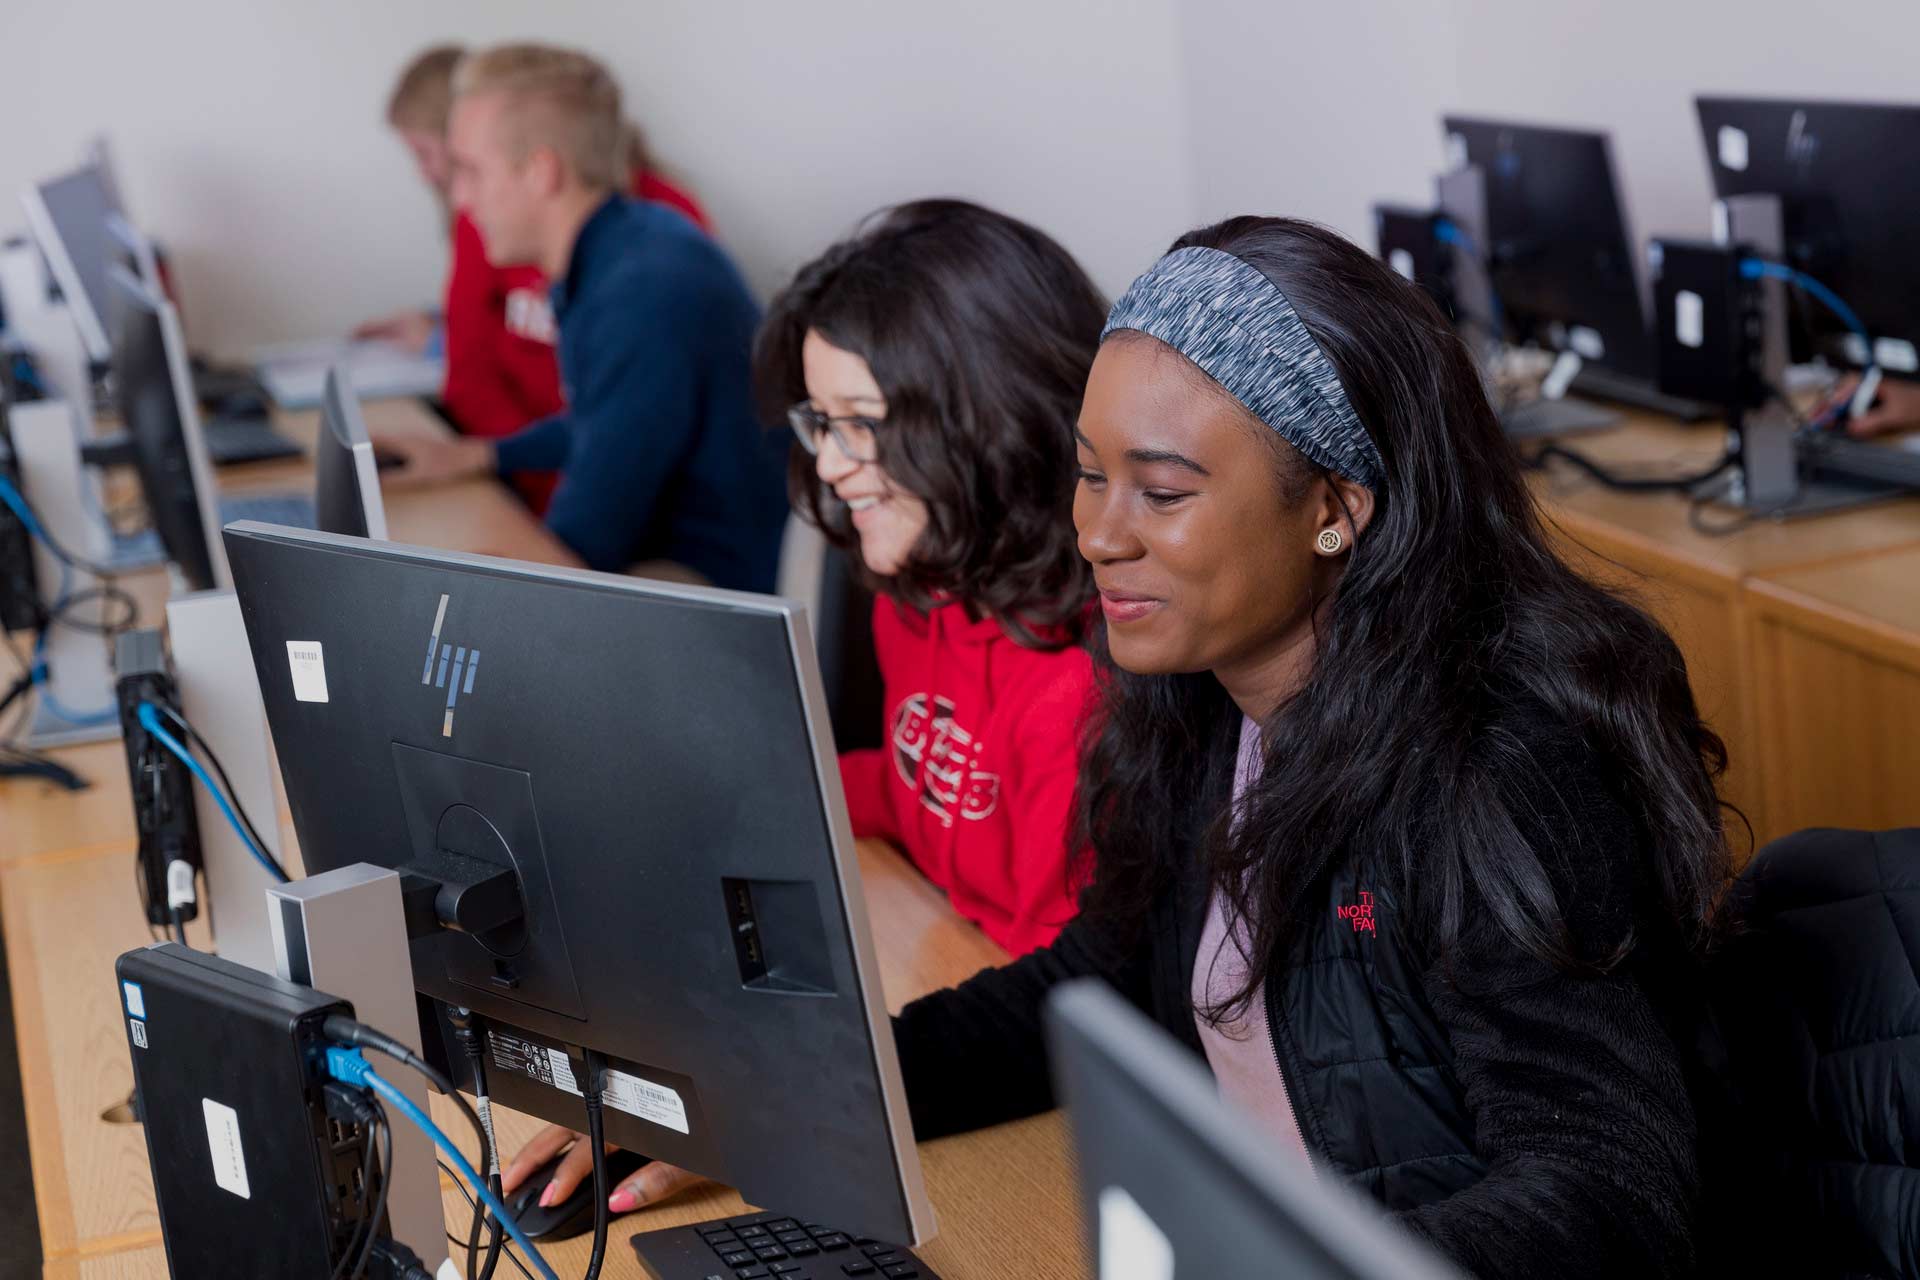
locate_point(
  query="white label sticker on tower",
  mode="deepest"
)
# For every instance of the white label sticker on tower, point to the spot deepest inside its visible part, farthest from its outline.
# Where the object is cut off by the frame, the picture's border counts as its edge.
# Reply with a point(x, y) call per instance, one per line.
point(309, 667)
point(1689, 318)
point(136, 1001)
point(1731, 143)
point(1132, 1245)
point(223, 1144)
point(1402, 263)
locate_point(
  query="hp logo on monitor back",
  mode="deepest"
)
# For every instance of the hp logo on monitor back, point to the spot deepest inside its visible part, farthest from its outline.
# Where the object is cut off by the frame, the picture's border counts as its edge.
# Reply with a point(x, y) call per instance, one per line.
point(449, 667)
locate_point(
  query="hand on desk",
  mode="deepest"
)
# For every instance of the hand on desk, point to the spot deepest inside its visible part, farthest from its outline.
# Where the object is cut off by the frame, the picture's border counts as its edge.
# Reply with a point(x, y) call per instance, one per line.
point(410, 460)
point(1896, 407)
point(652, 1184)
point(412, 330)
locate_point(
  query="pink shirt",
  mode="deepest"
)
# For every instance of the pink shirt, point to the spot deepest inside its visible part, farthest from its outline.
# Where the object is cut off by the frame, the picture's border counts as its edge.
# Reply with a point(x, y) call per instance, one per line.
point(1240, 1052)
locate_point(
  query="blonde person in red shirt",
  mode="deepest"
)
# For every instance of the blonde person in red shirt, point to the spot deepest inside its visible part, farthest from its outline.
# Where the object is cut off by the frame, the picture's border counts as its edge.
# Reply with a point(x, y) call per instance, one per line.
point(497, 329)
point(932, 367)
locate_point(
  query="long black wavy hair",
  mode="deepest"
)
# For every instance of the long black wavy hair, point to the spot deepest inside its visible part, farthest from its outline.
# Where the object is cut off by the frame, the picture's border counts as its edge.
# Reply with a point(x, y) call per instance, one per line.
point(980, 331)
point(1454, 617)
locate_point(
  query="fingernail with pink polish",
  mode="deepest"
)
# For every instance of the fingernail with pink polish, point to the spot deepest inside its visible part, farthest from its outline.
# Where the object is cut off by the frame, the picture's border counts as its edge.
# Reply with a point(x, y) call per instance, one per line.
point(547, 1197)
point(623, 1201)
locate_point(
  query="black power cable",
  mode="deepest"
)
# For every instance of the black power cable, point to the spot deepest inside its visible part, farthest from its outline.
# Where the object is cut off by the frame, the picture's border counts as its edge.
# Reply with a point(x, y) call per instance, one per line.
point(460, 1185)
point(596, 1069)
point(382, 1136)
point(469, 1038)
point(1631, 483)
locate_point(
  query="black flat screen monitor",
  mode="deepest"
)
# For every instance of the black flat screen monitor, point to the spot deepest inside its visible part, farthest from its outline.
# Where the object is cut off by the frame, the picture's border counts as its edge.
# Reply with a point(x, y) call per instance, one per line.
point(648, 765)
point(1848, 178)
point(1558, 248)
point(154, 395)
point(346, 483)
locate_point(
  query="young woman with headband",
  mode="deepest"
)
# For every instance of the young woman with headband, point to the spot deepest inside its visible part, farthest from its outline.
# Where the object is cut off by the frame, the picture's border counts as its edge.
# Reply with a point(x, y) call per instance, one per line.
point(1403, 824)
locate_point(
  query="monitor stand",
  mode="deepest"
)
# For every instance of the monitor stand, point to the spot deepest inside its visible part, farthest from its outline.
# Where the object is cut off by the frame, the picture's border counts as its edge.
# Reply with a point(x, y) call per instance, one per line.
point(78, 662)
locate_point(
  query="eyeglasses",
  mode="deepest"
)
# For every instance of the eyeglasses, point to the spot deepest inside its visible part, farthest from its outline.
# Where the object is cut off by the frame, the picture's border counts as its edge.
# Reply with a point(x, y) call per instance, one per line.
point(855, 436)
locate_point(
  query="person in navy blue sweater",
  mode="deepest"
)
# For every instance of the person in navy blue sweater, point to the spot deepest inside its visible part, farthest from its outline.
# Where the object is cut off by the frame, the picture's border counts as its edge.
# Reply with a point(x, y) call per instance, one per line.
point(665, 467)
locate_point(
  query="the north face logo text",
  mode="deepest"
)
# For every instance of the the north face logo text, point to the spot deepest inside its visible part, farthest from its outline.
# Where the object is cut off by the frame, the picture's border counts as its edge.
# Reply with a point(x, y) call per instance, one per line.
point(1359, 913)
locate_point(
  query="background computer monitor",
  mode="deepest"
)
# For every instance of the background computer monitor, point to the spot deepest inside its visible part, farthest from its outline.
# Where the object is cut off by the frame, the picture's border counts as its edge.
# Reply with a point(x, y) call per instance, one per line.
point(154, 394)
point(1558, 247)
point(1175, 1184)
point(1848, 178)
point(346, 486)
point(651, 764)
point(68, 217)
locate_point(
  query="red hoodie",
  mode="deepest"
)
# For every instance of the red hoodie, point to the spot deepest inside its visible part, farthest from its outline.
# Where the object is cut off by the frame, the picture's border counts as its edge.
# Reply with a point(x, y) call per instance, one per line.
point(976, 781)
point(501, 371)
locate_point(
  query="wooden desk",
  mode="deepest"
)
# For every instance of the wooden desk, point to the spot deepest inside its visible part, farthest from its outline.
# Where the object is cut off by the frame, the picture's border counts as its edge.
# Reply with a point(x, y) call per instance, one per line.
point(1837, 683)
point(1004, 1197)
point(1694, 582)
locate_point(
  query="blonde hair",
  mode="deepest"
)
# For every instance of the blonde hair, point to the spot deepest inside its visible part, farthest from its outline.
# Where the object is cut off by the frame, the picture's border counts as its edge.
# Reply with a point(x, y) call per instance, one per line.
point(561, 99)
point(422, 97)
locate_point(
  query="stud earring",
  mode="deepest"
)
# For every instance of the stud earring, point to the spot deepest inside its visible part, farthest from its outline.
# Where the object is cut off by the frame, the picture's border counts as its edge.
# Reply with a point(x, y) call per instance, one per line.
point(1331, 542)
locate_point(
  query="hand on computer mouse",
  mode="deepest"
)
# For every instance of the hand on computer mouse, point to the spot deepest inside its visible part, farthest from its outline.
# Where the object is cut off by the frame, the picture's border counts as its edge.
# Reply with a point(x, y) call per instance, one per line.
point(1895, 408)
point(416, 459)
point(650, 1185)
point(409, 330)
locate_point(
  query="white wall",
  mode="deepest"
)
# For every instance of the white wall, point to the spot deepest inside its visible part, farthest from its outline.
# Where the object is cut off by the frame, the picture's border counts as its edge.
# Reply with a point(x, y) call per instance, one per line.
point(1321, 109)
point(1315, 110)
point(250, 139)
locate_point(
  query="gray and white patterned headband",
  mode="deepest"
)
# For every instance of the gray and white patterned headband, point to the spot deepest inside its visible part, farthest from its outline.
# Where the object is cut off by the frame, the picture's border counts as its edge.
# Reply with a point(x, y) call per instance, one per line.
point(1233, 322)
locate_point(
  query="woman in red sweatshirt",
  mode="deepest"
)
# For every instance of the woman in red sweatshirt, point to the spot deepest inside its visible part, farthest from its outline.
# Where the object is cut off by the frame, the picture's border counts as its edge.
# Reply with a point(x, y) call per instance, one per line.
point(932, 367)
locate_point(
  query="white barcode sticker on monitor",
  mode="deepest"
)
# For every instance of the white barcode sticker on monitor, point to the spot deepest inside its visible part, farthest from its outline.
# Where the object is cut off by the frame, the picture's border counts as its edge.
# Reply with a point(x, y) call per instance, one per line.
point(654, 1103)
point(223, 1144)
point(1732, 146)
point(1132, 1245)
point(651, 1102)
point(309, 668)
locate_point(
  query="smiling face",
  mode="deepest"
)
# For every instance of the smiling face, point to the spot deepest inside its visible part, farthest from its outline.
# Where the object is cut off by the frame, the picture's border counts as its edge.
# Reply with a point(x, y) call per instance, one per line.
point(1200, 526)
point(888, 519)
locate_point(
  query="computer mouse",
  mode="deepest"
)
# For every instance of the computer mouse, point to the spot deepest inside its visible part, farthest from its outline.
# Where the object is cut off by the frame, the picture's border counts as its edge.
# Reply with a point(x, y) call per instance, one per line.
point(574, 1215)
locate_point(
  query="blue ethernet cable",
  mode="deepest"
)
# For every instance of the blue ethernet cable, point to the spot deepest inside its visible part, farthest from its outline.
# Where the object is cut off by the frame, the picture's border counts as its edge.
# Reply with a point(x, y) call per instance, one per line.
point(348, 1066)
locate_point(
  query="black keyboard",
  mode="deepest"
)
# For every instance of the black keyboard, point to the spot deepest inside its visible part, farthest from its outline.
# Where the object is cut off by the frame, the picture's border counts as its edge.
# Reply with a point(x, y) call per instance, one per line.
point(767, 1246)
point(234, 440)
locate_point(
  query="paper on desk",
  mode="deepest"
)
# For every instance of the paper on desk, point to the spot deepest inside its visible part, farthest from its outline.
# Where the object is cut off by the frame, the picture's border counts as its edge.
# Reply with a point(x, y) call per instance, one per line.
point(295, 373)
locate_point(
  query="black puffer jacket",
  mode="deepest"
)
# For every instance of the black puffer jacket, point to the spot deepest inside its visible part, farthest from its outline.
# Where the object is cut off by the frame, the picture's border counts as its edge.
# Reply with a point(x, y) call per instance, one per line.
point(1817, 1001)
point(1527, 1122)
